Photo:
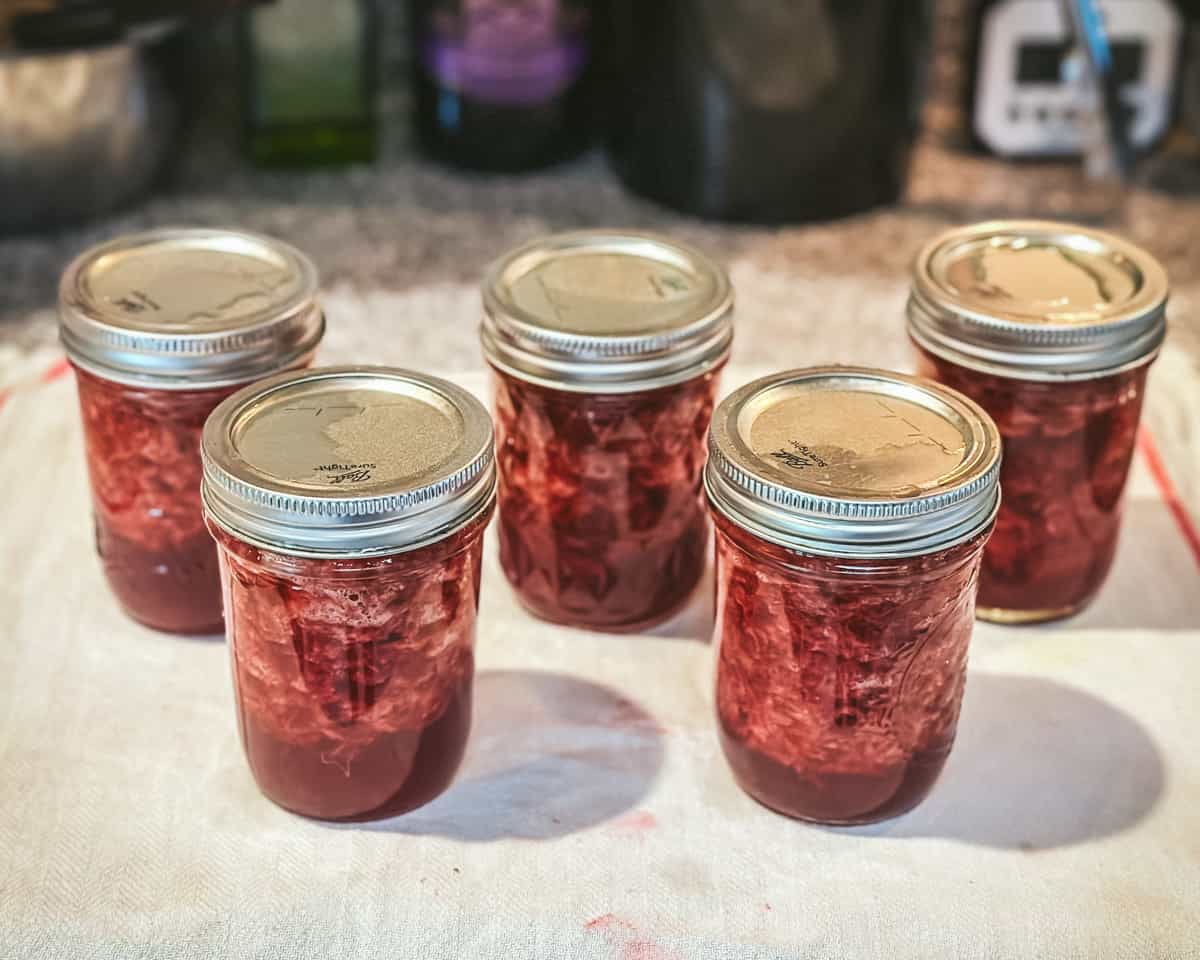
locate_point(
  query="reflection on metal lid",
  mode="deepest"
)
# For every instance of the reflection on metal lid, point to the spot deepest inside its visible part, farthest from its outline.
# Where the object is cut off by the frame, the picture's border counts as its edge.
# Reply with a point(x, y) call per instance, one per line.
point(605, 310)
point(189, 308)
point(849, 461)
point(347, 461)
point(1038, 299)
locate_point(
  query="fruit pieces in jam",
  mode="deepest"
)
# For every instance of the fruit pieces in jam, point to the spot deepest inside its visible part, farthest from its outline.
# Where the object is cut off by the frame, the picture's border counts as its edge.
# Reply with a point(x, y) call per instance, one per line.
point(602, 516)
point(143, 456)
point(353, 677)
point(1067, 451)
point(839, 682)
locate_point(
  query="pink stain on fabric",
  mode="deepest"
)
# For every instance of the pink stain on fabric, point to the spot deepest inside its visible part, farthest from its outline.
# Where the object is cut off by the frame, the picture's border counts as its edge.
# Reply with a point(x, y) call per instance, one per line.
point(608, 921)
point(620, 933)
point(637, 821)
point(55, 372)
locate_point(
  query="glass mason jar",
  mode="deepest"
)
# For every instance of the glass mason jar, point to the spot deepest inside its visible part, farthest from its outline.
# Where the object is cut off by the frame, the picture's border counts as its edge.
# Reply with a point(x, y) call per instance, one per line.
point(349, 504)
point(160, 328)
point(1052, 329)
point(851, 507)
point(606, 348)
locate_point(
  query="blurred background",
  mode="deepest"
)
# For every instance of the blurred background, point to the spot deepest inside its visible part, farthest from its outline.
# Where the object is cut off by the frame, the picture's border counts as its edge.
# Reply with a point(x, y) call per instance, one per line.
point(811, 144)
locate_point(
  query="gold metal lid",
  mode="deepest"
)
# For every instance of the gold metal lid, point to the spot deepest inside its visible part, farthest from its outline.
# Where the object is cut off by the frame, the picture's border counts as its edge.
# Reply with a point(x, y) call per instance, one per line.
point(1038, 300)
point(606, 311)
point(347, 461)
point(189, 308)
point(853, 462)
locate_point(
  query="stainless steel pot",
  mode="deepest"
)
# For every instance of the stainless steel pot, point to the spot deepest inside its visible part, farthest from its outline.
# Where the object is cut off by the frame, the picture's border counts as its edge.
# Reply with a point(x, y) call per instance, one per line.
point(81, 131)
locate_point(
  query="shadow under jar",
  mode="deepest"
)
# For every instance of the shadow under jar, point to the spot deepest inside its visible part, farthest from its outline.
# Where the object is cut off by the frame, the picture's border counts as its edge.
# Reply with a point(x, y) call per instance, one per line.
point(1052, 329)
point(349, 504)
point(161, 327)
point(852, 507)
point(606, 348)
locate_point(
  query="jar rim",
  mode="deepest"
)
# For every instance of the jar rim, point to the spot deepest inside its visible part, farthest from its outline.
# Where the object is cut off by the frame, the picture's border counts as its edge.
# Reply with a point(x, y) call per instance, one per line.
point(606, 311)
point(189, 308)
point(1038, 300)
point(347, 462)
point(890, 465)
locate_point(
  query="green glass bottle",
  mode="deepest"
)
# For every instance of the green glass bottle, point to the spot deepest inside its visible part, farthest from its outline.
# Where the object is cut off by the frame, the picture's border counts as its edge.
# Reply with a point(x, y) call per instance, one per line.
point(311, 82)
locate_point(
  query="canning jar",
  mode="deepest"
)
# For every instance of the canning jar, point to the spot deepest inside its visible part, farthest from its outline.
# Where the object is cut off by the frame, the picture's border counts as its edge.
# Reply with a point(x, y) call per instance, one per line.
point(606, 348)
point(1052, 329)
point(851, 507)
point(349, 504)
point(160, 327)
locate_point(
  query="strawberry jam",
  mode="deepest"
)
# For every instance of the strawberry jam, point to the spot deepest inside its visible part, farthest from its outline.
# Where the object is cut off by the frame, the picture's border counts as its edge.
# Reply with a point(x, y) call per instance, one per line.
point(602, 516)
point(839, 682)
point(852, 507)
point(143, 457)
point(350, 504)
point(606, 347)
point(352, 678)
point(161, 327)
point(1052, 329)
point(1067, 452)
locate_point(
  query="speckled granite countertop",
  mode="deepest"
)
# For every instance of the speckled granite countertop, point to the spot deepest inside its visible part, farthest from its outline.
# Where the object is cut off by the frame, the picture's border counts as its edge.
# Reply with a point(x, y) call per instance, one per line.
point(401, 249)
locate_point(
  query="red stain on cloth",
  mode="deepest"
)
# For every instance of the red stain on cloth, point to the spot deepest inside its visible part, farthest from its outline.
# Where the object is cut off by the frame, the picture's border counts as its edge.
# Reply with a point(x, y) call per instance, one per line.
point(623, 936)
point(57, 371)
point(637, 821)
point(608, 921)
point(1166, 488)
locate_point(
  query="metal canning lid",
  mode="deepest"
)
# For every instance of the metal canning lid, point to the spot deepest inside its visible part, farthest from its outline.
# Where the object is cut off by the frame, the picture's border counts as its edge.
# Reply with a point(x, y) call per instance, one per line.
point(606, 311)
point(347, 462)
point(853, 462)
point(1037, 300)
point(189, 308)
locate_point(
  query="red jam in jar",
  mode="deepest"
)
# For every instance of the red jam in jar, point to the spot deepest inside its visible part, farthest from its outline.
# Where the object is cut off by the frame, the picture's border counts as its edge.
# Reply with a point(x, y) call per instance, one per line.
point(606, 348)
point(350, 505)
point(143, 457)
point(161, 327)
point(1051, 329)
point(852, 507)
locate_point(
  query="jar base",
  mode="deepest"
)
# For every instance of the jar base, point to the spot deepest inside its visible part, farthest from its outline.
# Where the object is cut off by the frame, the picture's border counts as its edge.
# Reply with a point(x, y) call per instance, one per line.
point(863, 821)
point(1010, 618)
point(214, 630)
point(318, 790)
point(175, 590)
point(890, 793)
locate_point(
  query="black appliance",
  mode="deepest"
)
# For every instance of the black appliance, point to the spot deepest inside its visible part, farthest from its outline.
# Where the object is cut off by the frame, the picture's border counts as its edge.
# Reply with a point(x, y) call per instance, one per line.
point(764, 110)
